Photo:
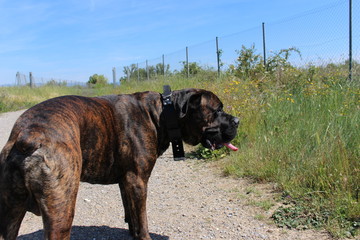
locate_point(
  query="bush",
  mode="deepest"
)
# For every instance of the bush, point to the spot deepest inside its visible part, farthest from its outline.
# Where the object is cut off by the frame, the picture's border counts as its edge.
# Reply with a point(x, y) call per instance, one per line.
point(98, 80)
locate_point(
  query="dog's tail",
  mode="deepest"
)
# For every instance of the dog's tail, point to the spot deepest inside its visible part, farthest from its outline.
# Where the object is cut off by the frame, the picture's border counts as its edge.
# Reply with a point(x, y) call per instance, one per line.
point(19, 147)
point(28, 141)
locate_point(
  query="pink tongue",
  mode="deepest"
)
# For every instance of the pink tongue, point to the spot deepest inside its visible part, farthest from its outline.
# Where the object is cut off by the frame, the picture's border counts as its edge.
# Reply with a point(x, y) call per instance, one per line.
point(230, 146)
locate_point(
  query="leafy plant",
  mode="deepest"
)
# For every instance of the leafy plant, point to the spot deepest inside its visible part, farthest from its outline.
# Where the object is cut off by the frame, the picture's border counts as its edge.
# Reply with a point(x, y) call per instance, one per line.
point(132, 72)
point(204, 153)
point(299, 217)
point(278, 69)
point(194, 68)
point(98, 80)
point(249, 63)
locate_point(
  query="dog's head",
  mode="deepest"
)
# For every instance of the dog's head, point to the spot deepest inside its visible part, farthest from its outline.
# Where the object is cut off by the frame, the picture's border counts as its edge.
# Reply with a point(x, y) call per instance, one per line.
point(203, 120)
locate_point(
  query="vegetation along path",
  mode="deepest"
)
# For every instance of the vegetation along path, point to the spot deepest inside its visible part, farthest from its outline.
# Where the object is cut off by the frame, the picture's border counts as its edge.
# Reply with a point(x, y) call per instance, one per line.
point(187, 200)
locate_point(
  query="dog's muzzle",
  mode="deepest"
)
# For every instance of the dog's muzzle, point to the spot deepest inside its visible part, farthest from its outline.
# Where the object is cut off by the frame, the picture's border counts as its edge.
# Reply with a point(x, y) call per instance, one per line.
point(221, 135)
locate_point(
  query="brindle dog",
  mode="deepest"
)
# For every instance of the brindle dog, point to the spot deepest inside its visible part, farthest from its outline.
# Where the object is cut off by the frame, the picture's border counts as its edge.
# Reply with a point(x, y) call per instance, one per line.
point(102, 140)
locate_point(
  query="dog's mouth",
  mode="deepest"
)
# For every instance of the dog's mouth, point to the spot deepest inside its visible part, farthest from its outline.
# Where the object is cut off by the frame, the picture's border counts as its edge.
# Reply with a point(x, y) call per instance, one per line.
point(214, 138)
point(213, 145)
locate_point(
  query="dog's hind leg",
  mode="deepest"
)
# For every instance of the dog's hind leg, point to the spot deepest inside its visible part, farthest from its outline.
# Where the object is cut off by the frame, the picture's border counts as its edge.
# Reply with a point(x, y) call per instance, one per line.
point(57, 216)
point(10, 220)
point(13, 197)
point(54, 185)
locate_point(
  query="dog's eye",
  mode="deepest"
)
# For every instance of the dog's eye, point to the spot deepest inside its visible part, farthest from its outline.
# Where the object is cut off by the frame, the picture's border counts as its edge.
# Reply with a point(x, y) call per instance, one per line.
point(218, 111)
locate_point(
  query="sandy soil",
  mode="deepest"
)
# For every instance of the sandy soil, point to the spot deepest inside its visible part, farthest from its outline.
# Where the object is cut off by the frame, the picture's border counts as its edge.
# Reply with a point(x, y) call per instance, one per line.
point(187, 200)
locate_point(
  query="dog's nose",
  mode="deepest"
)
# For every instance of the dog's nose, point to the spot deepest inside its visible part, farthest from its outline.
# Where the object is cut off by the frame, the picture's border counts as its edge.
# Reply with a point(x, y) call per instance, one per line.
point(236, 121)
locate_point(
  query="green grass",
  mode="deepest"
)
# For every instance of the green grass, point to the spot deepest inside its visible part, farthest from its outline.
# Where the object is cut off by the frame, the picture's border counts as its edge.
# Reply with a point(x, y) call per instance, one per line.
point(308, 142)
point(263, 204)
point(16, 98)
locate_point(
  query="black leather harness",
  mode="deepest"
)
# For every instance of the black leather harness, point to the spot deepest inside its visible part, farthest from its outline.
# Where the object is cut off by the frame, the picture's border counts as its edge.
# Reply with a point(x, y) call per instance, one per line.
point(172, 124)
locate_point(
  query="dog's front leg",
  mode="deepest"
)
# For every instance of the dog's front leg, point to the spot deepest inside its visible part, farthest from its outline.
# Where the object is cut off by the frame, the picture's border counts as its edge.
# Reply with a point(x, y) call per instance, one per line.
point(136, 193)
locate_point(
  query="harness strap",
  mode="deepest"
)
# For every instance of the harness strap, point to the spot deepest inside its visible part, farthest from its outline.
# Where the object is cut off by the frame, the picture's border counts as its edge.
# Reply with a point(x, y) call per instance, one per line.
point(172, 124)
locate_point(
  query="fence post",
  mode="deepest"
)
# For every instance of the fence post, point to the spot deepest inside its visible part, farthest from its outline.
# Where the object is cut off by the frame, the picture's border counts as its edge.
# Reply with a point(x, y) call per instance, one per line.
point(147, 70)
point(138, 71)
point(18, 80)
point(114, 76)
point(163, 64)
point(264, 45)
point(187, 63)
point(31, 79)
point(218, 56)
point(350, 40)
point(127, 73)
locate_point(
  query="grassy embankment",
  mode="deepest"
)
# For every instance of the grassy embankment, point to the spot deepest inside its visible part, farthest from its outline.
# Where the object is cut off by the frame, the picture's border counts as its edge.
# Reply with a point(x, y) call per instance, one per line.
point(299, 129)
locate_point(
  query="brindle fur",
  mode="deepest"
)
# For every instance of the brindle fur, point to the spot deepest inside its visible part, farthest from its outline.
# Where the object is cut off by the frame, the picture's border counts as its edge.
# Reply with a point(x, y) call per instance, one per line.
point(103, 140)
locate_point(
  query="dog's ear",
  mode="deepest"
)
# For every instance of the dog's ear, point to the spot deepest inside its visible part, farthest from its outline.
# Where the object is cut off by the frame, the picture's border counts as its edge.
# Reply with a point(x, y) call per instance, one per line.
point(190, 102)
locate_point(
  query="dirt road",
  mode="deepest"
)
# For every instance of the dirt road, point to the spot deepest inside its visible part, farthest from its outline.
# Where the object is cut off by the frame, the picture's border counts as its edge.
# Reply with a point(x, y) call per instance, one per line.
point(187, 200)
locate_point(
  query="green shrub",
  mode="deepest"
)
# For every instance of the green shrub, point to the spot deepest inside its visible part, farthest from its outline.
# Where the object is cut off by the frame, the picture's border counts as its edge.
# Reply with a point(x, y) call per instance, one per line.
point(99, 80)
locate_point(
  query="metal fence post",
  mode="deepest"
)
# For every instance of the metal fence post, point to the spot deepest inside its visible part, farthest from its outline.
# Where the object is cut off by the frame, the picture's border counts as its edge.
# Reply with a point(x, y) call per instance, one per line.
point(114, 76)
point(163, 64)
point(218, 56)
point(31, 79)
point(18, 79)
point(187, 63)
point(264, 45)
point(350, 40)
point(138, 71)
point(127, 73)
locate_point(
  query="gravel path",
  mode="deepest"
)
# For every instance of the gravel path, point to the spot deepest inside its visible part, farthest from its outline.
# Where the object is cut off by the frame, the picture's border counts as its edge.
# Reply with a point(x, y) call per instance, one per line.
point(187, 200)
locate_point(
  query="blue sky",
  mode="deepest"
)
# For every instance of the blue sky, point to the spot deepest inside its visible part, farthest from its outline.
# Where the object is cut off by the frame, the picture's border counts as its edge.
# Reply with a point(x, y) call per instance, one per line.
point(73, 39)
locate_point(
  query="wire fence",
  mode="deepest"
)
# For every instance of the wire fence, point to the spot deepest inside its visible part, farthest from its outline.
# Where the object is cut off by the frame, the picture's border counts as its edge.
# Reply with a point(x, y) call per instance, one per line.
point(30, 80)
point(329, 37)
point(324, 40)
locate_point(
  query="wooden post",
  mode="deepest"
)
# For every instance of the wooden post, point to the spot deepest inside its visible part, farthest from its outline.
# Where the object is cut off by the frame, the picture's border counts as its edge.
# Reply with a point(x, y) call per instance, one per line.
point(114, 76)
point(31, 79)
